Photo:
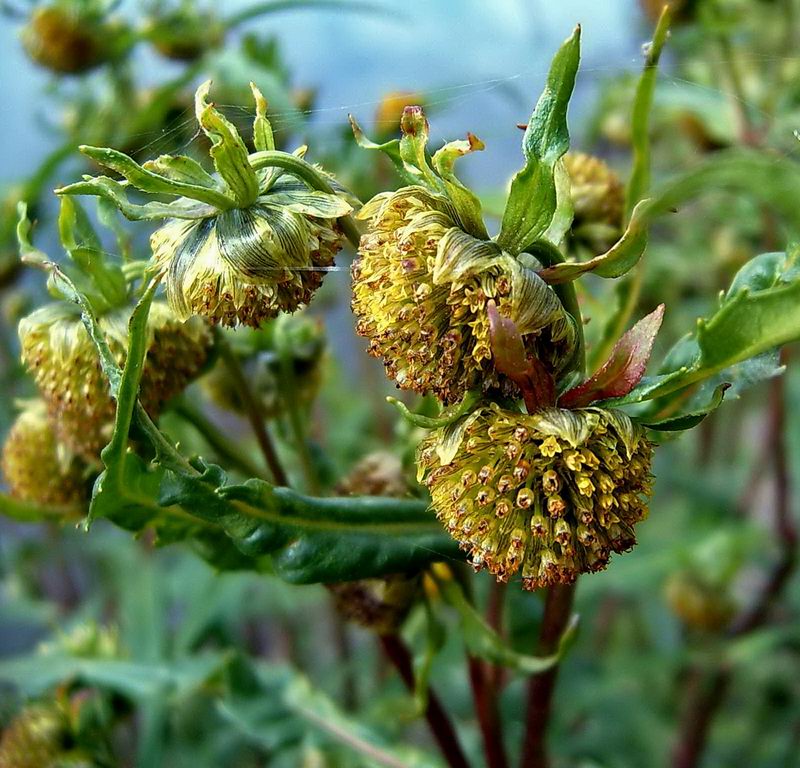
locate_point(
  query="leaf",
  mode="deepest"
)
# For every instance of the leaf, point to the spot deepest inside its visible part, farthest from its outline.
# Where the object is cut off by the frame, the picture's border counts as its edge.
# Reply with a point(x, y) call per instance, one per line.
point(483, 641)
point(759, 313)
point(532, 201)
point(623, 256)
point(228, 151)
point(116, 194)
point(623, 369)
point(448, 416)
point(182, 169)
point(639, 181)
point(263, 138)
point(687, 419)
point(148, 181)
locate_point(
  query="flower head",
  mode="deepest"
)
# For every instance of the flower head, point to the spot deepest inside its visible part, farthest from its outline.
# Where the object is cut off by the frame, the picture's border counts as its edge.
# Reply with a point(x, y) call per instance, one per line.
point(550, 494)
point(72, 37)
point(598, 200)
point(239, 246)
point(427, 272)
point(35, 469)
point(63, 361)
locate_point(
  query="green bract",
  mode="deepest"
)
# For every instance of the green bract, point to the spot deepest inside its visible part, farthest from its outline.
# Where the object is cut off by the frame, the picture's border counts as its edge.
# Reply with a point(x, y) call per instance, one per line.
point(241, 245)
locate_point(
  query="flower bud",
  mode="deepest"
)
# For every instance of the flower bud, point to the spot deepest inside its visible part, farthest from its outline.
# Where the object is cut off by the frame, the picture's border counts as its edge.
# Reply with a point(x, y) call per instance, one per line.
point(67, 37)
point(184, 33)
point(34, 468)
point(57, 351)
point(598, 200)
point(34, 738)
point(294, 341)
point(699, 605)
point(377, 604)
point(421, 287)
point(536, 509)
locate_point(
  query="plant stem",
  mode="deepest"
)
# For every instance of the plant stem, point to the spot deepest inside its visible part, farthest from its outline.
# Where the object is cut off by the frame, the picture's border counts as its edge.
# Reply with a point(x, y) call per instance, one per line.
point(253, 409)
point(438, 720)
point(557, 612)
point(224, 447)
point(484, 696)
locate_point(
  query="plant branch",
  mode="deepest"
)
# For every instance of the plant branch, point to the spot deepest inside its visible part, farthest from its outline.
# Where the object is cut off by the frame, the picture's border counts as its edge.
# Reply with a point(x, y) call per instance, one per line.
point(253, 409)
point(438, 720)
point(484, 695)
point(557, 612)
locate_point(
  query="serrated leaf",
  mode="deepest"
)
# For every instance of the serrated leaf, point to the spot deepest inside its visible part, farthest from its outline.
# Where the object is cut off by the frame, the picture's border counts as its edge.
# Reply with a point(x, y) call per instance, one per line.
point(624, 368)
point(532, 201)
point(759, 313)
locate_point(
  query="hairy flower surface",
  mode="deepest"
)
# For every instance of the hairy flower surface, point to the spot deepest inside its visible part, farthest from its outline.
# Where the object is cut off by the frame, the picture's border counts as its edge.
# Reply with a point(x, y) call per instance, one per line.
point(421, 288)
point(64, 362)
point(598, 199)
point(550, 495)
point(32, 467)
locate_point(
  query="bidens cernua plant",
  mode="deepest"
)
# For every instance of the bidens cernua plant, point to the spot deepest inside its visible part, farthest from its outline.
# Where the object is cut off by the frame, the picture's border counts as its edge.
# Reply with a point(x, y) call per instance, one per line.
point(533, 449)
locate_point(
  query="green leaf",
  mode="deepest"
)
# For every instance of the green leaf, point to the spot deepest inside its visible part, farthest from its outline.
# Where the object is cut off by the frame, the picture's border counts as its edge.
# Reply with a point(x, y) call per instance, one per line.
point(263, 138)
point(181, 169)
point(483, 641)
point(687, 419)
point(760, 312)
point(623, 256)
point(228, 151)
point(639, 182)
point(115, 193)
point(155, 183)
point(532, 201)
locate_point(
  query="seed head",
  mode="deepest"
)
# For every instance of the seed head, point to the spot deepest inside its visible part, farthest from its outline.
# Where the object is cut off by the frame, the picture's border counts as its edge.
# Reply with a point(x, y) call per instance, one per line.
point(57, 351)
point(567, 496)
point(598, 199)
point(421, 287)
point(34, 467)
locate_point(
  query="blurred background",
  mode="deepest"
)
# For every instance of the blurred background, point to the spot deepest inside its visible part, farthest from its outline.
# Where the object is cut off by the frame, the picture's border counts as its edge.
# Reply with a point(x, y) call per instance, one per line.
point(656, 677)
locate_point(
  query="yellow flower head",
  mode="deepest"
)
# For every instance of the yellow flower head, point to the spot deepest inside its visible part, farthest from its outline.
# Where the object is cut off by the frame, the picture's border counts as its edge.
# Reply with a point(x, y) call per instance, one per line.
point(34, 468)
point(57, 351)
point(508, 489)
point(421, 287)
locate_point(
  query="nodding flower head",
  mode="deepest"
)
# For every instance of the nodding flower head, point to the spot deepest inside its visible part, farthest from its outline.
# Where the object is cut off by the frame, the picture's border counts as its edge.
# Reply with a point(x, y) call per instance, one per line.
point(598, 200)
point(549, 495)
point(72, 37)
point(35, 468)
point(427, 272)
point(57, 351)
point(243, 244)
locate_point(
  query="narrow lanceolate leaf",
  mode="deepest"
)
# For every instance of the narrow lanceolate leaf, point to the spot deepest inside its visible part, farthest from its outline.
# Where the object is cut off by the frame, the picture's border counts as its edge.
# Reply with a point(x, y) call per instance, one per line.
point(619, 259)
point(227, 150)
point(483, 641)
point(109, 189)
point(465, 200)
point(263, 138)
point(639, 182)
point(687, 419)
point(149, 181)
point(759, 313)
point(624, 368)
point(532, 201)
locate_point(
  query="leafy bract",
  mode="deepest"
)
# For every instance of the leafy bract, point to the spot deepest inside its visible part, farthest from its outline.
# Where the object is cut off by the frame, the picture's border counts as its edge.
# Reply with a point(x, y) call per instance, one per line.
point(532, 201)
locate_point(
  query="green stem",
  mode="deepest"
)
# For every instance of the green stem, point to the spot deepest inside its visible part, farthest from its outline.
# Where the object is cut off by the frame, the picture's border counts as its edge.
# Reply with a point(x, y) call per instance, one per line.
point(310, 175)
point(253, 409)
point(274, 6)
point(225, 448)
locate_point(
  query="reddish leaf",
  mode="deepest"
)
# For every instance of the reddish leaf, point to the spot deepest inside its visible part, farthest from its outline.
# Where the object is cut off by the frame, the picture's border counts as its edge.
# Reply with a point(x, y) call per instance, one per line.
point(623, 369)
point(510, 359)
